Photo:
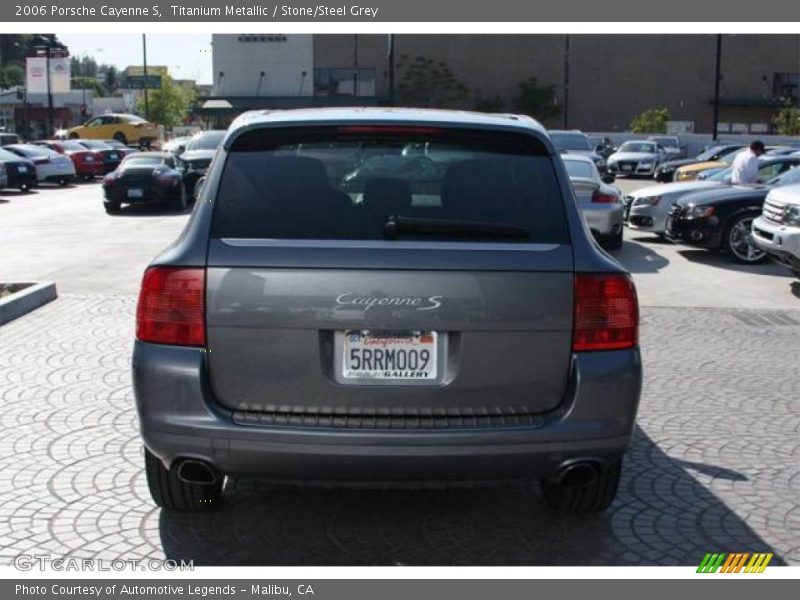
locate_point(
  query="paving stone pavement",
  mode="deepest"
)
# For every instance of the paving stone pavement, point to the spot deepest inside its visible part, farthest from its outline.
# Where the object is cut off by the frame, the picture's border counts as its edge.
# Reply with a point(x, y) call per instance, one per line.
point(714, 465)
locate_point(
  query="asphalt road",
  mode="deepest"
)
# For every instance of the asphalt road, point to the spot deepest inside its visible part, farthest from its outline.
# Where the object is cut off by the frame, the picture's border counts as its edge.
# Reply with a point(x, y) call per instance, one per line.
point(63, 235)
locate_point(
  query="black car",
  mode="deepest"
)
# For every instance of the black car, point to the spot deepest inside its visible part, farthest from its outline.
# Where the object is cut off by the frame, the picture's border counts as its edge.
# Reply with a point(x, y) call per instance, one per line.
point(666, 170)
point(145, 178)
point(21, 172)
point(197, 155)
point(111, 156)
point(723, 218)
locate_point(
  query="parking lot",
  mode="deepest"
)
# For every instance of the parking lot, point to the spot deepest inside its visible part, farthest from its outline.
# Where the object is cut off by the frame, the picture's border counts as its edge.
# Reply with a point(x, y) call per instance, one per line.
point(713, 466)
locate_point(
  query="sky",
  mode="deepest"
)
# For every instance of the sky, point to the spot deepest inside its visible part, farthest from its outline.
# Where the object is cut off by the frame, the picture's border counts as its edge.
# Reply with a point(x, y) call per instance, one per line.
point(186, 56)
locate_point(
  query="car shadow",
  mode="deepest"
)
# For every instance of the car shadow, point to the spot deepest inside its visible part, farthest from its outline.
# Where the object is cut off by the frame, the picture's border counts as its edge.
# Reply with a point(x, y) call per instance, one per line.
point(795, 287)
point(13, 193)
point(638, 258)
point(719, 260)
point(662, 516)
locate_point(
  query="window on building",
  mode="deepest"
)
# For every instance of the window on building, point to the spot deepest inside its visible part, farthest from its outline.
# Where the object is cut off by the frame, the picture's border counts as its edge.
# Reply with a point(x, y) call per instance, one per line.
point(785, 85)
point(339, 82)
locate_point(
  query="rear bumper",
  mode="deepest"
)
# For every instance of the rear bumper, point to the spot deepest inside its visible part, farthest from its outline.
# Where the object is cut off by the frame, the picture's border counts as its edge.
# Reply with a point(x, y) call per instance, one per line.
point(179, 418)
point(16, 180)
point(604, 219)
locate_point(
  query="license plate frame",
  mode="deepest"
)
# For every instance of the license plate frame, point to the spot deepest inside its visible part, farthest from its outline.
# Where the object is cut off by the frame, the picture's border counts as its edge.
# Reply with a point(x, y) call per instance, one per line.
point(627, 167)
point(135, 193)
point(346, 372)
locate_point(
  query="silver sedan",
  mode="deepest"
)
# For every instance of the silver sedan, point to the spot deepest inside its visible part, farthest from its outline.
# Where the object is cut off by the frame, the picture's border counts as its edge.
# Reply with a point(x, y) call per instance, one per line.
point(600, 203)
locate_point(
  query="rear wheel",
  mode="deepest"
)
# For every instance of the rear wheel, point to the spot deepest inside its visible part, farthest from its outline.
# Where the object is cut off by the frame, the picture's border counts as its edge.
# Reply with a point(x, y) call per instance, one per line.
point(120, 137)
point(74, 136)
point(168, 491)
point(63, 181)
point(112, 208)
point(590, 498)
point(738, 241)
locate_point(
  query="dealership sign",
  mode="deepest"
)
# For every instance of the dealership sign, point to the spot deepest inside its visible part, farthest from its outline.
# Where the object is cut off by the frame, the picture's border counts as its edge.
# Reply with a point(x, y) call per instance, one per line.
point(37, 75)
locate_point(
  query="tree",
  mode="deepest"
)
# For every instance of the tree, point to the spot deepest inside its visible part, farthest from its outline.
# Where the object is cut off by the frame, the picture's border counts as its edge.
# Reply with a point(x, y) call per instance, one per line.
point(651, 121)
point(787, 121)
point(89, 83)
point(428, 83)
point(538, 101)
point(112, 78)
point(167, 105)
point(12, 75)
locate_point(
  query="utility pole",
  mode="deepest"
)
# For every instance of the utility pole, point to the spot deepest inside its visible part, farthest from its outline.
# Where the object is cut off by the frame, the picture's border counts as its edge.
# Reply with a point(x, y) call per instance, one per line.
point(144, 68)
point(566, 82)
point(717, 78)
point(391, 70)
point(50, 120)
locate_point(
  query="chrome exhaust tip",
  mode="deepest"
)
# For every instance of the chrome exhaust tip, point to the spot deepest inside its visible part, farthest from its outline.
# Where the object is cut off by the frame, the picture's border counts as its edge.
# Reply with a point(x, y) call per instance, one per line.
point(578, 474)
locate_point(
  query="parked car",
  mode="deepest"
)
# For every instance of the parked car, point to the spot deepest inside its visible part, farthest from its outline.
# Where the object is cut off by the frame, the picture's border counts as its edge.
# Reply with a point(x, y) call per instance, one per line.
point(120, 147)
point(3, 176)
point(650, 206)
point(666, 170)
point(576, 142)
point(110, 156)
point(87, 163)
point(636, 158)
point(473, 334)
point(127, 129)
point(197, 156)
point(6, 139)
point(176, 145)
point(145, 178)
point(602, 145)
point(777, 230)
point(51, 167)
point(20, 172)
point(672, 146)
point(600, 203)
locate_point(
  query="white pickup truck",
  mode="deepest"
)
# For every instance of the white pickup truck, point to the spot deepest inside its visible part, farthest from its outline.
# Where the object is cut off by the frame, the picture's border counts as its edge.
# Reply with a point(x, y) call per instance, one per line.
point(777, 230)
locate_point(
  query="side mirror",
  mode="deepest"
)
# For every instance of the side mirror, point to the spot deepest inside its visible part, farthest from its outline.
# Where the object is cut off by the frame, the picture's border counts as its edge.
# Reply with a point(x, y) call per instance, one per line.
point(608, 178)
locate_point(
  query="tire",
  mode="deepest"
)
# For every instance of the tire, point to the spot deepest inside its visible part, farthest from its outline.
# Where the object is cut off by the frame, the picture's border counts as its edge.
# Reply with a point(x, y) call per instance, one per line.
point(112, 208)
point(181, 202)
point(169, 492)
point(120, 137)
point(736, 241)
point(613, 241)
point(796, 273)
point(74, 136)
point(62, 182)
point(588, 499)
point(25, 188)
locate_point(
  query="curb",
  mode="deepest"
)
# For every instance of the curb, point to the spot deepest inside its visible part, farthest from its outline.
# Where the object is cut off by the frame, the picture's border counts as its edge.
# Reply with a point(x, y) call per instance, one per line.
point(27, 300)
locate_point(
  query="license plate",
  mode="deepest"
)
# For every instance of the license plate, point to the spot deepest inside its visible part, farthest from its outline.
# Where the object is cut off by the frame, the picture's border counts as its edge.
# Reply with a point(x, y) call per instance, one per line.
point(627, 167)
point(112, 156)
point(135, 193)
point(390, 356)
point(22, 169)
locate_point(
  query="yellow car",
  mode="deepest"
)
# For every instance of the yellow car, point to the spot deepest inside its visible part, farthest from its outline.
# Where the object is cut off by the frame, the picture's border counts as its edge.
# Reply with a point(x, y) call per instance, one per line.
point(690, 172)
point(128, 129)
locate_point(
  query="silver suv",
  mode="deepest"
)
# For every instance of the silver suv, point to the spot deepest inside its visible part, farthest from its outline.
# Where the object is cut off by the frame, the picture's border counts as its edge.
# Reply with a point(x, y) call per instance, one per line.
point(386, 295)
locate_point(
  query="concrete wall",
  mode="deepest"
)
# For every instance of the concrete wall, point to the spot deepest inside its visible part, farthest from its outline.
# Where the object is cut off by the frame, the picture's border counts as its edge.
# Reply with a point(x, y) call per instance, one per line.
point(287, 65)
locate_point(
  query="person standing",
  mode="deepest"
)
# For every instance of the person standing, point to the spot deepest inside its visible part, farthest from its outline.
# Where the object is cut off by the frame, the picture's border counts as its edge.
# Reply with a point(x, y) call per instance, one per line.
point(745, 166)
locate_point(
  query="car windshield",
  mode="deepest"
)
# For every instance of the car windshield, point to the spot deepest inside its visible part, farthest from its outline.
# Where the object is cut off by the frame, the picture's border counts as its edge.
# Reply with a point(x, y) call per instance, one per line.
point(787, 178)
point(355, 183)
point(95, 145)
point(131, 119)
point(665, 141)
point(638, 147)
point(137, 160)
point(206, 141)
point(71, 146)
point(570, 141)
point(579, 168)
point(34, 151)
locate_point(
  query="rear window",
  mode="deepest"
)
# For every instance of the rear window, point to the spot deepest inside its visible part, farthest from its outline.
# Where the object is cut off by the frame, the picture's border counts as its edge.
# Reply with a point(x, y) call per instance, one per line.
point(389, 182)
point(206, 141)
point(143, 161)
point(579, 168)
point(570, 141)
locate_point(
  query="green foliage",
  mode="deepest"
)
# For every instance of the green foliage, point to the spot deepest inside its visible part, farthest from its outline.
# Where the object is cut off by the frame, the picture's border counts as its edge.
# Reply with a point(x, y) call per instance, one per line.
point(489, 105)
point(89, 83)
point(651, 121)
point(535, 100)
point(787, 121)
point(112, 77)
point(12, 75)
point(428, 83)
point(168, 105)
point(84, 66)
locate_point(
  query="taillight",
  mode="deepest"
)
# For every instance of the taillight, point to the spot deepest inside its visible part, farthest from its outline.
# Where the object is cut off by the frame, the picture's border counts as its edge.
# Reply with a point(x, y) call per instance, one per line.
point(606, 312)
point(171, 307)
point(41, 161)
point(110, 178)
point(600, 198)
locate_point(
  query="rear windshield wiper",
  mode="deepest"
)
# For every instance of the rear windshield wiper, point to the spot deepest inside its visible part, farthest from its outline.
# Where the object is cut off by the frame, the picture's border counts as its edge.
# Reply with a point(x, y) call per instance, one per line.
point(481, 229)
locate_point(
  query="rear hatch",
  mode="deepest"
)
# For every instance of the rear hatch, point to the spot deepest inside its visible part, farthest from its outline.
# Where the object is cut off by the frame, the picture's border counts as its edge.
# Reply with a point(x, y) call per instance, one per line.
point(430, 293)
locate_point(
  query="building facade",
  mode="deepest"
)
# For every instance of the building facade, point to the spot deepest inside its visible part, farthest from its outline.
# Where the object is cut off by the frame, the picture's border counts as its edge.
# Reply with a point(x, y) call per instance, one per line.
point(600, 82)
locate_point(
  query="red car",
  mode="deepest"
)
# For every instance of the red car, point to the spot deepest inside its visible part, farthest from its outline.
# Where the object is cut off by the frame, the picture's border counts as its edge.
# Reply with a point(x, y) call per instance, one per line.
point(88, 163)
